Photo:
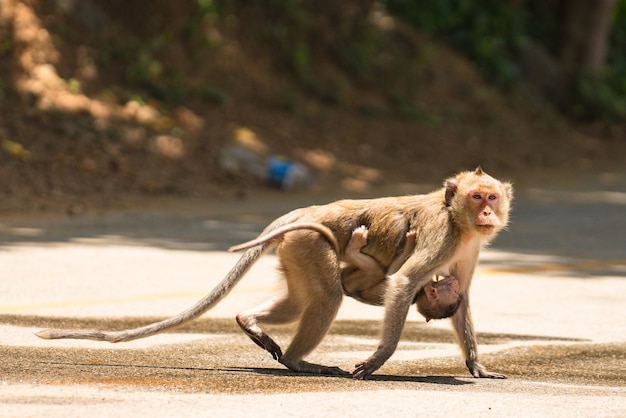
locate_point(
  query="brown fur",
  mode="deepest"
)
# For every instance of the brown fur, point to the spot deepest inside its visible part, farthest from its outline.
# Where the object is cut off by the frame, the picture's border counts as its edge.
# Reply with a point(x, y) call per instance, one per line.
point(365, 280)
point(451, 225)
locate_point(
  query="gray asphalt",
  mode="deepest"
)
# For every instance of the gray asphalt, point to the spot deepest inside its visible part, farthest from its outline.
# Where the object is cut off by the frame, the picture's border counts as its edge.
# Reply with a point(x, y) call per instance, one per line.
point(548, 302)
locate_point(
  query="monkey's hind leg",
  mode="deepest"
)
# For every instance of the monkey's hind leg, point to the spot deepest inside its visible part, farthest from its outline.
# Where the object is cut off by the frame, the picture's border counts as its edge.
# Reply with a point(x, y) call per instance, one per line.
point(282, 311)
point(273, 312)
point(313, 275)
point(314, 293)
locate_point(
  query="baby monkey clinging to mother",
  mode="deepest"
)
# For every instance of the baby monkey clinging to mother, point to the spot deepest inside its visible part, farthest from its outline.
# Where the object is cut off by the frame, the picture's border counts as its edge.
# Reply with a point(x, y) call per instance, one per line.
point(450, 225)
point(364, 279)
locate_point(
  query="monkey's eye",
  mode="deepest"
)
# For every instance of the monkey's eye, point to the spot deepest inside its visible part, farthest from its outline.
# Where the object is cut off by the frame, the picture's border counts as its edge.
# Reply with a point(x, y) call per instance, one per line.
point(477, 196)
point(492, 197)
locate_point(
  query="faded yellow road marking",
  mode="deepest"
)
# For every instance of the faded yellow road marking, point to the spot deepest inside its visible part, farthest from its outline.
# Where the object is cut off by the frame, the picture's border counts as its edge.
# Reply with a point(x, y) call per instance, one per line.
point(574, 266)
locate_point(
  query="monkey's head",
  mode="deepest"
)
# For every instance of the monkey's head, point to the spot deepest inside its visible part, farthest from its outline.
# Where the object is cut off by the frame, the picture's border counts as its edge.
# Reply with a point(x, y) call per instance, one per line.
point(439, 299)
point(478, 202)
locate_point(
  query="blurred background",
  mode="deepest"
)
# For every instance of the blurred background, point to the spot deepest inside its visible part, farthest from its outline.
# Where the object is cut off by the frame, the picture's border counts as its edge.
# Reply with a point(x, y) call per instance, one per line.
point(101, 99)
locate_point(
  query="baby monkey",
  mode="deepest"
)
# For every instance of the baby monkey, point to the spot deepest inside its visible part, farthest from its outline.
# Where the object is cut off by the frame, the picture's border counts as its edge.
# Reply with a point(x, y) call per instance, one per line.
point(365, 280)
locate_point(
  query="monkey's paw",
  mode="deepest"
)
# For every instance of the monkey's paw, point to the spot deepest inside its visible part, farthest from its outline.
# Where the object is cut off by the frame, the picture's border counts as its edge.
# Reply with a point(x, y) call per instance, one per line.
point(266, 343)
point(478, 370)
point(261, 339)
point(365, 369)
point(359, 238)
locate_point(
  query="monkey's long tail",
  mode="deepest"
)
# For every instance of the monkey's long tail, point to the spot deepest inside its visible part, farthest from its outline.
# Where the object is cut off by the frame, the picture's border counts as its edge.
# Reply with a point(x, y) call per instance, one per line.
point(218, 293)
point(272, 234)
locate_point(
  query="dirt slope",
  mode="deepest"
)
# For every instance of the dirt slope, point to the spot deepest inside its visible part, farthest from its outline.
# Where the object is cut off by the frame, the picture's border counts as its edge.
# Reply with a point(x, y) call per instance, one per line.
point(106, 99)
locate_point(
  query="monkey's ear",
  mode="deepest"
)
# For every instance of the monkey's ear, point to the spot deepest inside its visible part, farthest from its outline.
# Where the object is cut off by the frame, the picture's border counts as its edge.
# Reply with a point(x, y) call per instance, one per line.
point(430, 291)
point(451, 188)
point(508, 188)
point(479, 171)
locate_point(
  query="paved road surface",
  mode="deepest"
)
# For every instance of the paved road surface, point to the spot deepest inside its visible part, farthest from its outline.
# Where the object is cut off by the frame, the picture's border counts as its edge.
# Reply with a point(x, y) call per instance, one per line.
point(549, 300)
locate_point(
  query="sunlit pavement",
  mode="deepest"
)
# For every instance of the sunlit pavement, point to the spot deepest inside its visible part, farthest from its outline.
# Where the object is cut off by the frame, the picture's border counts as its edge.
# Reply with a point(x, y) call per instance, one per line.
point(557, 278)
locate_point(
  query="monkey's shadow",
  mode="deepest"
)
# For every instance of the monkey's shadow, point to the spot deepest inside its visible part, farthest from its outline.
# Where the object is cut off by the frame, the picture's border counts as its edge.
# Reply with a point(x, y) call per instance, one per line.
point(434, 380)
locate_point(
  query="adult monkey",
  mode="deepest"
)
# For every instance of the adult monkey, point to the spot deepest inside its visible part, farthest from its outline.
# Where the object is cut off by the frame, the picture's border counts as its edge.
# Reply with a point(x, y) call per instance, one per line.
point(452, 224)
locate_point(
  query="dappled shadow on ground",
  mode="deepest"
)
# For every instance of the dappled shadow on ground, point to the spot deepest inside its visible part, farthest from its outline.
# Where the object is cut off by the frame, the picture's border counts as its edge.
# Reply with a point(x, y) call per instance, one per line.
point(154, 230)
point(231, 364)
point(179, 224)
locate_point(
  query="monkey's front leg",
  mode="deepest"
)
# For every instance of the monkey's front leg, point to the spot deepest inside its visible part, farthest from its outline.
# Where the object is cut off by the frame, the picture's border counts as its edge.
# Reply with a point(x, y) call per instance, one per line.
point(462, 321)
point(398, 298)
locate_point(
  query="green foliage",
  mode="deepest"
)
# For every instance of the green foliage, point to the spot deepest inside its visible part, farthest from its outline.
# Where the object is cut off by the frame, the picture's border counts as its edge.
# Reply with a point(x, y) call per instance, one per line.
point(209, 8)
point(358, 47)
point(73, 86)
point(6, 46)
point(603, 95)
point(596, 97)
point(617, 58)
point(287, 23)
point(148, 56)
point(293, 28)
point(489, 31)
point(212, 94)
point(143, 69)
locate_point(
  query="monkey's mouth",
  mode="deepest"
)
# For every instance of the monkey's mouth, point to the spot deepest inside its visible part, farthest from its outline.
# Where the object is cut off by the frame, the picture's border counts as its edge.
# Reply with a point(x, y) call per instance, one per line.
point(486, 229)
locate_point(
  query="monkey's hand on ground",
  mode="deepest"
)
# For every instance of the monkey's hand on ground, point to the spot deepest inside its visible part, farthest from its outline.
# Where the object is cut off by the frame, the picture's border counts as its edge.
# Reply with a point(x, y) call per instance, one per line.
point(364, 369)
point(478, 370)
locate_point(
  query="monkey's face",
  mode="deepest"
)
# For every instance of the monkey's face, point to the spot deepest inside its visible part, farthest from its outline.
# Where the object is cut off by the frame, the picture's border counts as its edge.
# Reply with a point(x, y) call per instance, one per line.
point(479, 202)
point(485, 205)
